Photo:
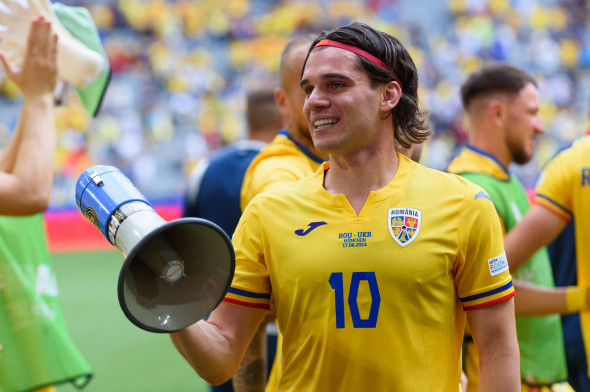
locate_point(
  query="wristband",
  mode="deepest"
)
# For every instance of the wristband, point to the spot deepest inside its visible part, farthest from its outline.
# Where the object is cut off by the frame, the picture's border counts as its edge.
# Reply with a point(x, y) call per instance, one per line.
point(575, 299)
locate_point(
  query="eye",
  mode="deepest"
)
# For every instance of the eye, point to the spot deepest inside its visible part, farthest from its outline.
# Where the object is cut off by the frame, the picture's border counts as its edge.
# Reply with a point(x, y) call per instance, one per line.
point(336, 85)
point(307, 91)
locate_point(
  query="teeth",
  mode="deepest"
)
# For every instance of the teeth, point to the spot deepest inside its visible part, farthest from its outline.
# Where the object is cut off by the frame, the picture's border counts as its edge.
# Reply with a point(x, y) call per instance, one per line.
point(324, 122)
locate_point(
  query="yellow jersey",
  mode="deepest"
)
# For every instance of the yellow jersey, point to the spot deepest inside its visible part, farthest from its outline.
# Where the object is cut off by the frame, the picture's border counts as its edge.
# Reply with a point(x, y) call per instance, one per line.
point(375, 300)
point(282, 161)
point(564, 188)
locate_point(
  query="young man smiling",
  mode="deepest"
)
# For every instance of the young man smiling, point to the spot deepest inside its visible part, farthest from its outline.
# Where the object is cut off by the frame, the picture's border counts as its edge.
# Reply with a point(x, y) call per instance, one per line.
point(389, 311)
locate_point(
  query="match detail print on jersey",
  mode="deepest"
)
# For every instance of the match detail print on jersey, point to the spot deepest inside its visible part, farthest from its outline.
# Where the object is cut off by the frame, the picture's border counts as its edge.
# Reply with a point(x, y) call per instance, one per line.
point(404, 224)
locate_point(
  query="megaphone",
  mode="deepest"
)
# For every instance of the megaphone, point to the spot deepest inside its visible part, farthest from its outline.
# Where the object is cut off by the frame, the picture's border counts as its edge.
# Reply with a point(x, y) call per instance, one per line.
point(174, 273)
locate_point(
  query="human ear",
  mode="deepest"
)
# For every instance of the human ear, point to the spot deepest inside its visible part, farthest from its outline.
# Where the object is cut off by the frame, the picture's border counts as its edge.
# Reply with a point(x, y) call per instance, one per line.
point(392, 93)
point(496, 111)
point(281, 100)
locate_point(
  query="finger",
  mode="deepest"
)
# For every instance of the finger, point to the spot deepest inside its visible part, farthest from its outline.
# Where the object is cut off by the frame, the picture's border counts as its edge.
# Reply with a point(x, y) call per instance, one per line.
point(52, 47)
point(37, 30)
point(44, 38)
point(6, 65)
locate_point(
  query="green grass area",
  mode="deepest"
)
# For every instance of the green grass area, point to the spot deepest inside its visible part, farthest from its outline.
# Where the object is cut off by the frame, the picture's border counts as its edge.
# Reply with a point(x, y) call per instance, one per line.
point(123, 357)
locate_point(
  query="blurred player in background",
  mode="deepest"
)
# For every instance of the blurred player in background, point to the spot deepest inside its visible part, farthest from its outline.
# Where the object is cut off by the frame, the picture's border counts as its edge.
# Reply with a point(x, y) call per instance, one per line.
point(36, 350)
point(215, 183)
point(213, 191)
point(562, 252)
point(562, 194)
point(290, 157)
point(503, 107)
point(317, 241)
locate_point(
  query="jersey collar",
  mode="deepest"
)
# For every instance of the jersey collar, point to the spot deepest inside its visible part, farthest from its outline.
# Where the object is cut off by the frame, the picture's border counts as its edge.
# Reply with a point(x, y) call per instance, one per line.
point(473, 160)
point(305, 150)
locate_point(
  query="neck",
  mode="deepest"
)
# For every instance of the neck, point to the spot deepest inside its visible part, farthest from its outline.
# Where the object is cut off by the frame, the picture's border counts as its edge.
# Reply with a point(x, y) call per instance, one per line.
point(263, 135)
point(356, 175)
point(492, 143)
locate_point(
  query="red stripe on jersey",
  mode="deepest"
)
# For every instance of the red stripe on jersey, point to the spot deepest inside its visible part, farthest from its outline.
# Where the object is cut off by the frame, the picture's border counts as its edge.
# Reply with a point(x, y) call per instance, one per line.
point(553, 208)
point(247, 304)
point(495, 301)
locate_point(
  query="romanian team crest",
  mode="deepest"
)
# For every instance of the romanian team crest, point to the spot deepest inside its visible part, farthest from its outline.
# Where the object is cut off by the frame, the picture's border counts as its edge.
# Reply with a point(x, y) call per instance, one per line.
point(404, 224)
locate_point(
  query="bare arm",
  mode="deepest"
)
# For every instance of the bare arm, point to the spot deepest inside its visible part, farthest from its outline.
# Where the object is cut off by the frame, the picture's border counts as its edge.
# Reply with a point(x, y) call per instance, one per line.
point(539, 227)
point(251, 375)
point(214, 348)
point(494, 332)
point(532, 300)
point(26, 175)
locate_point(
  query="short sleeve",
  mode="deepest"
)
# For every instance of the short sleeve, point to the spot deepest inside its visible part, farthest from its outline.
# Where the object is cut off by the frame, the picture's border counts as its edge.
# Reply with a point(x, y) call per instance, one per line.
point(251, 284)
point(554, 189)
point(482, 275)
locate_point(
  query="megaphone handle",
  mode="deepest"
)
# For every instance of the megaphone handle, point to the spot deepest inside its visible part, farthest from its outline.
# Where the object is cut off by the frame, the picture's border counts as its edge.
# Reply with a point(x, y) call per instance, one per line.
point(162, 259)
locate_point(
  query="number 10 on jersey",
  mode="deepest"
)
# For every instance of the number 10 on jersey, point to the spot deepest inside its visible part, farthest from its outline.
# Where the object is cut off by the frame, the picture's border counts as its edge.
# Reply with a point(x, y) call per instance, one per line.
point(337, 283)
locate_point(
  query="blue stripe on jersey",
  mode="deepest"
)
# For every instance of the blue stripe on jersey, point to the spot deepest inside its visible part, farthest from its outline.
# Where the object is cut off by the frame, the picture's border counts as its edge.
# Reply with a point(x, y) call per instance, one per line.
point(248, 294)
point(555, 204)
point(303, 149)
point(487, 293)
point(493, 158)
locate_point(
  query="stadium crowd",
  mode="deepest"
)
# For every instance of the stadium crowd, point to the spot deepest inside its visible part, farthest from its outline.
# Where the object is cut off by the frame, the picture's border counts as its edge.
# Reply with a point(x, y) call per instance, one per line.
point(180, 70)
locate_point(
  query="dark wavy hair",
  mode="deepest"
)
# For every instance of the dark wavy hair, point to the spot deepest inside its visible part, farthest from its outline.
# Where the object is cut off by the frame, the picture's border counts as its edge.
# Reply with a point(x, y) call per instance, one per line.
point(409, 121)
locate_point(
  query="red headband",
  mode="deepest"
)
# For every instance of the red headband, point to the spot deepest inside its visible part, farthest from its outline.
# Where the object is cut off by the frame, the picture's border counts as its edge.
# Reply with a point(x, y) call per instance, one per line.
point(360, 52)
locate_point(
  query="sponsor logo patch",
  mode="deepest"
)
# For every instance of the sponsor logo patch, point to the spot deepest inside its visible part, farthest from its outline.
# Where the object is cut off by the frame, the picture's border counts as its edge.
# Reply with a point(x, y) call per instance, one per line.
point(310, 227)
point(404, 224)
point(498, 264)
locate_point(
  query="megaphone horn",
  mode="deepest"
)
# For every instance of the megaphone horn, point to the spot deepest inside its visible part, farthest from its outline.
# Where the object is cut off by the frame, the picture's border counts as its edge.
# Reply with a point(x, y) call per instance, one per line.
point(174, 273)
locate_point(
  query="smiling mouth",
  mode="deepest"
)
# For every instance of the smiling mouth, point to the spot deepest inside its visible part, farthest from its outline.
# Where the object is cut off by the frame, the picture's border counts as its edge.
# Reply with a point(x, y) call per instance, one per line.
point(325, 123)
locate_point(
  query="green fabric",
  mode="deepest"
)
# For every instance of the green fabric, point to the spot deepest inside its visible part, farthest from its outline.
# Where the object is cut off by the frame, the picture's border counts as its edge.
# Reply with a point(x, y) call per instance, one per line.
point(79, 22)
point(36, 347)
point(540, 339)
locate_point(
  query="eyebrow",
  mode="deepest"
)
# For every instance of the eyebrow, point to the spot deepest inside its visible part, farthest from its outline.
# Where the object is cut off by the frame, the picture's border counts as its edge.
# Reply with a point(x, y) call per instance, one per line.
point(332, 75)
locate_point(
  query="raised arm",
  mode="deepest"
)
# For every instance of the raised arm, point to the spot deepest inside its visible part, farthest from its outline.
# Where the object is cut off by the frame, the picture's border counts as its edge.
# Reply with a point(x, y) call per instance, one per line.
point(494, 331)
point(537, 228)
point(26, 167)
point(214, 348)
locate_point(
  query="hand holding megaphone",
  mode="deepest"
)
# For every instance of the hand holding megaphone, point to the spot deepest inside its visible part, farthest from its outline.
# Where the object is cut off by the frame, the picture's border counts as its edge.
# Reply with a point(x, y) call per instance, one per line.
point(77, 64)
point(175, 273)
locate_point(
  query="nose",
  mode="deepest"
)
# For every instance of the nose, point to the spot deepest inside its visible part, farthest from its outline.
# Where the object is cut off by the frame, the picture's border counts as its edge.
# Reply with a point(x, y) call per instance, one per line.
point(316, 99)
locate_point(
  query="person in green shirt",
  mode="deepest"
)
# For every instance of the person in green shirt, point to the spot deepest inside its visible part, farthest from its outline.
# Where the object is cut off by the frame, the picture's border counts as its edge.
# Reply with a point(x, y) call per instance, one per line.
point(502, 104)
point(36, 351)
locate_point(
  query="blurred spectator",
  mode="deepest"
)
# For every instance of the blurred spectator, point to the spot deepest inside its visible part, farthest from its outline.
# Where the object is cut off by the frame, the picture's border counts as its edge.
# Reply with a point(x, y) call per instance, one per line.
point(181, 69)
point(215, 183)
